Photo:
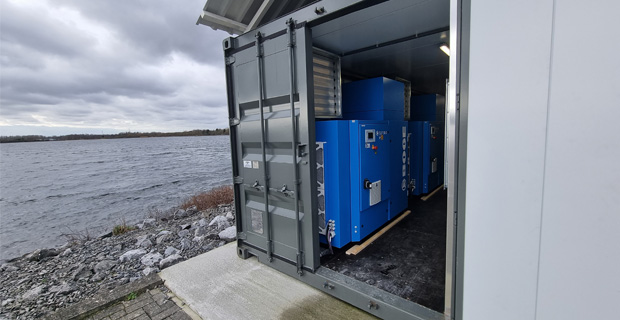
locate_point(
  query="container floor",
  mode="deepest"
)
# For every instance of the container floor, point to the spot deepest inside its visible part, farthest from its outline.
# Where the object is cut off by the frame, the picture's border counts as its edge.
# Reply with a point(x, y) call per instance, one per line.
point(409, 260)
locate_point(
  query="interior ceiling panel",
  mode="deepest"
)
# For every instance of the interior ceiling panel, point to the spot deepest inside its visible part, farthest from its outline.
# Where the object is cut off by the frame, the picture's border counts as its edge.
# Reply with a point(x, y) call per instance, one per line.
point(380, 23)
point(418, 60)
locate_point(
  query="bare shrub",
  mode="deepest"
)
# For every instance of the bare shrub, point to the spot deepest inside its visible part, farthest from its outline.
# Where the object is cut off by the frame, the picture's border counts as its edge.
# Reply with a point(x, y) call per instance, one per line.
point(76, 237)
point(210, 199)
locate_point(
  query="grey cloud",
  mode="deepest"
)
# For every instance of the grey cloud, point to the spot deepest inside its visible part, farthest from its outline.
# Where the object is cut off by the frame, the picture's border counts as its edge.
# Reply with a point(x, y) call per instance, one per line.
point(29, 29)
point(155, 69)
point(159, 27)
point(138, 64)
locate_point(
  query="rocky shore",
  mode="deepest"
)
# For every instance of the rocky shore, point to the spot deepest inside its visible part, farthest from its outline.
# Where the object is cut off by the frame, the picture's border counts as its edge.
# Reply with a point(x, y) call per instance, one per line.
point(48, 279)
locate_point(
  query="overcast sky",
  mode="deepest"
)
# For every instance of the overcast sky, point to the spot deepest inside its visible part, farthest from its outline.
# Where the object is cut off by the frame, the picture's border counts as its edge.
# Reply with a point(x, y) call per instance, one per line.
point(74, 66)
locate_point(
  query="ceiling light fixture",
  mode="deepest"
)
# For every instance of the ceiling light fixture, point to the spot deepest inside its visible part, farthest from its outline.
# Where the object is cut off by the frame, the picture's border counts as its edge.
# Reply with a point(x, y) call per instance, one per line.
point(444, 47)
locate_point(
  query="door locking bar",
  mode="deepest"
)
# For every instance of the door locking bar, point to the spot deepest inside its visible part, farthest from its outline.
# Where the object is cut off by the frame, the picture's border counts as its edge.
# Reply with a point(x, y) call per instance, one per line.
point(259, 63)
point(294, 145)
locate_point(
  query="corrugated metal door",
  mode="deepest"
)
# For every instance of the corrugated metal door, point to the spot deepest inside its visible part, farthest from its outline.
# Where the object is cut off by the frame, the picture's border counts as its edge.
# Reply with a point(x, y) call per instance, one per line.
point(273, 145)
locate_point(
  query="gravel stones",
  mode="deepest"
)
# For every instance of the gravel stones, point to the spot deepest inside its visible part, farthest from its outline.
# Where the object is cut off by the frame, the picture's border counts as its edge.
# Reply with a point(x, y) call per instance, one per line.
point(186, 244)
point(170, 251)
point(33, 289)
point(149, 223)
point(171, 260)
point(151, 259)
point(64, 288)
point(201, 231)
point(164, 236)
point(144, 242)
point(104, 266)
point(221, 222)
point(82, 272)
point(132, 255)
point(33, 293)
point(229, 234)
point(183, 233)
point(41, 254)
point(180, 213)
point(149, 270)
point(8, 267)
point(7, 301)
point(191, 210)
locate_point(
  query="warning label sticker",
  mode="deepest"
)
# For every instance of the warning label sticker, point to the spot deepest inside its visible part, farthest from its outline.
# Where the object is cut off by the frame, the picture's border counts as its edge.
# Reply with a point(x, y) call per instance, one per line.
point(247, 164)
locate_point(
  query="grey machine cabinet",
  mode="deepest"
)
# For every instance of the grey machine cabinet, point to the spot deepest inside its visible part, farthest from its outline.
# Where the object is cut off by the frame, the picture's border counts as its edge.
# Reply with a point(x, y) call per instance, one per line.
point(271, 109)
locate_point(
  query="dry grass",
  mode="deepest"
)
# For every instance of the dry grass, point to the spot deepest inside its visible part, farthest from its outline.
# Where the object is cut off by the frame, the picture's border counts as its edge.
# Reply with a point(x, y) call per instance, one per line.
point(210, 199)
point(122, 228)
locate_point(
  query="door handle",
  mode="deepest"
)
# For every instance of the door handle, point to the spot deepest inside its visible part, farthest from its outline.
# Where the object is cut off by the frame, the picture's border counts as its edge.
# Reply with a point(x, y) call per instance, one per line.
point(301, 150)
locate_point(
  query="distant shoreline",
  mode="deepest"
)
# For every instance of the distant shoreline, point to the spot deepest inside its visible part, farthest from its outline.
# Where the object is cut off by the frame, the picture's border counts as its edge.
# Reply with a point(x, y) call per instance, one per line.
point(122, 135)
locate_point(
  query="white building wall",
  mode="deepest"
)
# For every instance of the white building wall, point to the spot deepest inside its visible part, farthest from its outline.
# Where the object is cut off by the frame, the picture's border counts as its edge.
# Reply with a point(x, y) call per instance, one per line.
point(580, 245)
point(542, 229)
point(508, 78)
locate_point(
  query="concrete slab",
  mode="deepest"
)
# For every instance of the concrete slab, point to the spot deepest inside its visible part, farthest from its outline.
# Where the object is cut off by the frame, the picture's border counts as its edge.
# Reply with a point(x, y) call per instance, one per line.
point(219, 285)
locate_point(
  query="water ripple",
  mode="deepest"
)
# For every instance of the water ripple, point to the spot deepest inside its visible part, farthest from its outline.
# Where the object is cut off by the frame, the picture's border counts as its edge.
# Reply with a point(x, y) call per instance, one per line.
point(92, 184)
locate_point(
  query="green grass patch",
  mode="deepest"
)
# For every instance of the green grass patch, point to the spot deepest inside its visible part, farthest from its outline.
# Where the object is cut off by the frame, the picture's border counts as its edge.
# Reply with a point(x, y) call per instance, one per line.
point(132, 296)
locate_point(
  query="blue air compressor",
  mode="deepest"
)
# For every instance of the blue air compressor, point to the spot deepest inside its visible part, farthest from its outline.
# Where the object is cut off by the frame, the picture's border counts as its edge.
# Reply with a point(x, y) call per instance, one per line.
point(362, 161)
point(373, 99)
point(427, 155)
point(354, 171)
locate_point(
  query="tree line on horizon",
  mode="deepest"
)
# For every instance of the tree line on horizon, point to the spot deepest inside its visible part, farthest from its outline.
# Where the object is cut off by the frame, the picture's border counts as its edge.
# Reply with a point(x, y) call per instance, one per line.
point(34, 138)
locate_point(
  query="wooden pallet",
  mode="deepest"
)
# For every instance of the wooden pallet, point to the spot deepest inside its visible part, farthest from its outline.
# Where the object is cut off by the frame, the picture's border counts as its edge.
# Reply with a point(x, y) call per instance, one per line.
point(359, 247)
point(428, 196)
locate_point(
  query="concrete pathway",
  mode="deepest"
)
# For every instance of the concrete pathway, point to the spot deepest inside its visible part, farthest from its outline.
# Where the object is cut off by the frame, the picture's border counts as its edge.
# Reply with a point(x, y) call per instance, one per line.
point(219, 285)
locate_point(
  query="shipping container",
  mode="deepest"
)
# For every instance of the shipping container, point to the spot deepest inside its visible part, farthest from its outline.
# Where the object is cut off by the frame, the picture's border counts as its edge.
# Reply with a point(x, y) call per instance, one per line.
point(526, 226)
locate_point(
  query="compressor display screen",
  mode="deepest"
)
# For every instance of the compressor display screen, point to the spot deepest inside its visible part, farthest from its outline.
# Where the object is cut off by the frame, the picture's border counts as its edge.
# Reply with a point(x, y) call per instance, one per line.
point(370, 135)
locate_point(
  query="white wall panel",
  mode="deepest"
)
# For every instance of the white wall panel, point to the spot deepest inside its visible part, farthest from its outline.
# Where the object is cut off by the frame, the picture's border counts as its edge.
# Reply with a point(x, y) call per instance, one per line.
point(580, 247)
point(508, 77)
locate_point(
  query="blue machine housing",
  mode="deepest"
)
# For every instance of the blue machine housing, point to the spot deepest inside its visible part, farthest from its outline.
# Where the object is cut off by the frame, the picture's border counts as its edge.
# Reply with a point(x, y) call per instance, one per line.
point(355, 152)
point(373, 99)
point(399, 172)
point(428, 107)
point(427, 155)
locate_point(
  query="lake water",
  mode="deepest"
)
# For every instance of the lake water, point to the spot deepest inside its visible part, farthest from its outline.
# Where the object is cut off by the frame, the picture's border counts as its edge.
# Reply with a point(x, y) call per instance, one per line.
point(52, 188)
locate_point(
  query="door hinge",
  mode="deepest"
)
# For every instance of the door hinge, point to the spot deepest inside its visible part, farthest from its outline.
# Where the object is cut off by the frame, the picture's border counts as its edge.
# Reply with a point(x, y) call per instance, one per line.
point(456, 219)
point(238, 180)
point(241, 236)
point(233, 122)
point(230, 60)
point(458, 101)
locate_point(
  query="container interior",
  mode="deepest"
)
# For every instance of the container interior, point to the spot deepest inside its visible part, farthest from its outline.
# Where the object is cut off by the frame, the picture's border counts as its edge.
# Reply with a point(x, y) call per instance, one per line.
point(399, 40)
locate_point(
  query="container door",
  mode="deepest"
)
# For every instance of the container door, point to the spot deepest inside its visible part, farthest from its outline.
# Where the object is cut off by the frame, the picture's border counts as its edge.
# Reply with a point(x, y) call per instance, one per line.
point(272, 135)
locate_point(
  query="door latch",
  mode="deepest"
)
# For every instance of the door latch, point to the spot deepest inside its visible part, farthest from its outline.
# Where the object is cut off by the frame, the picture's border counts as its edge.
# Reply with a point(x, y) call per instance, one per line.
point(301, 150)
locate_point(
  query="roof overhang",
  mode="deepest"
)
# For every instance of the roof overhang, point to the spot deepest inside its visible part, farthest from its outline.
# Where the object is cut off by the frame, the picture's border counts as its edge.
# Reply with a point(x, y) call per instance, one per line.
point(240, 16)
